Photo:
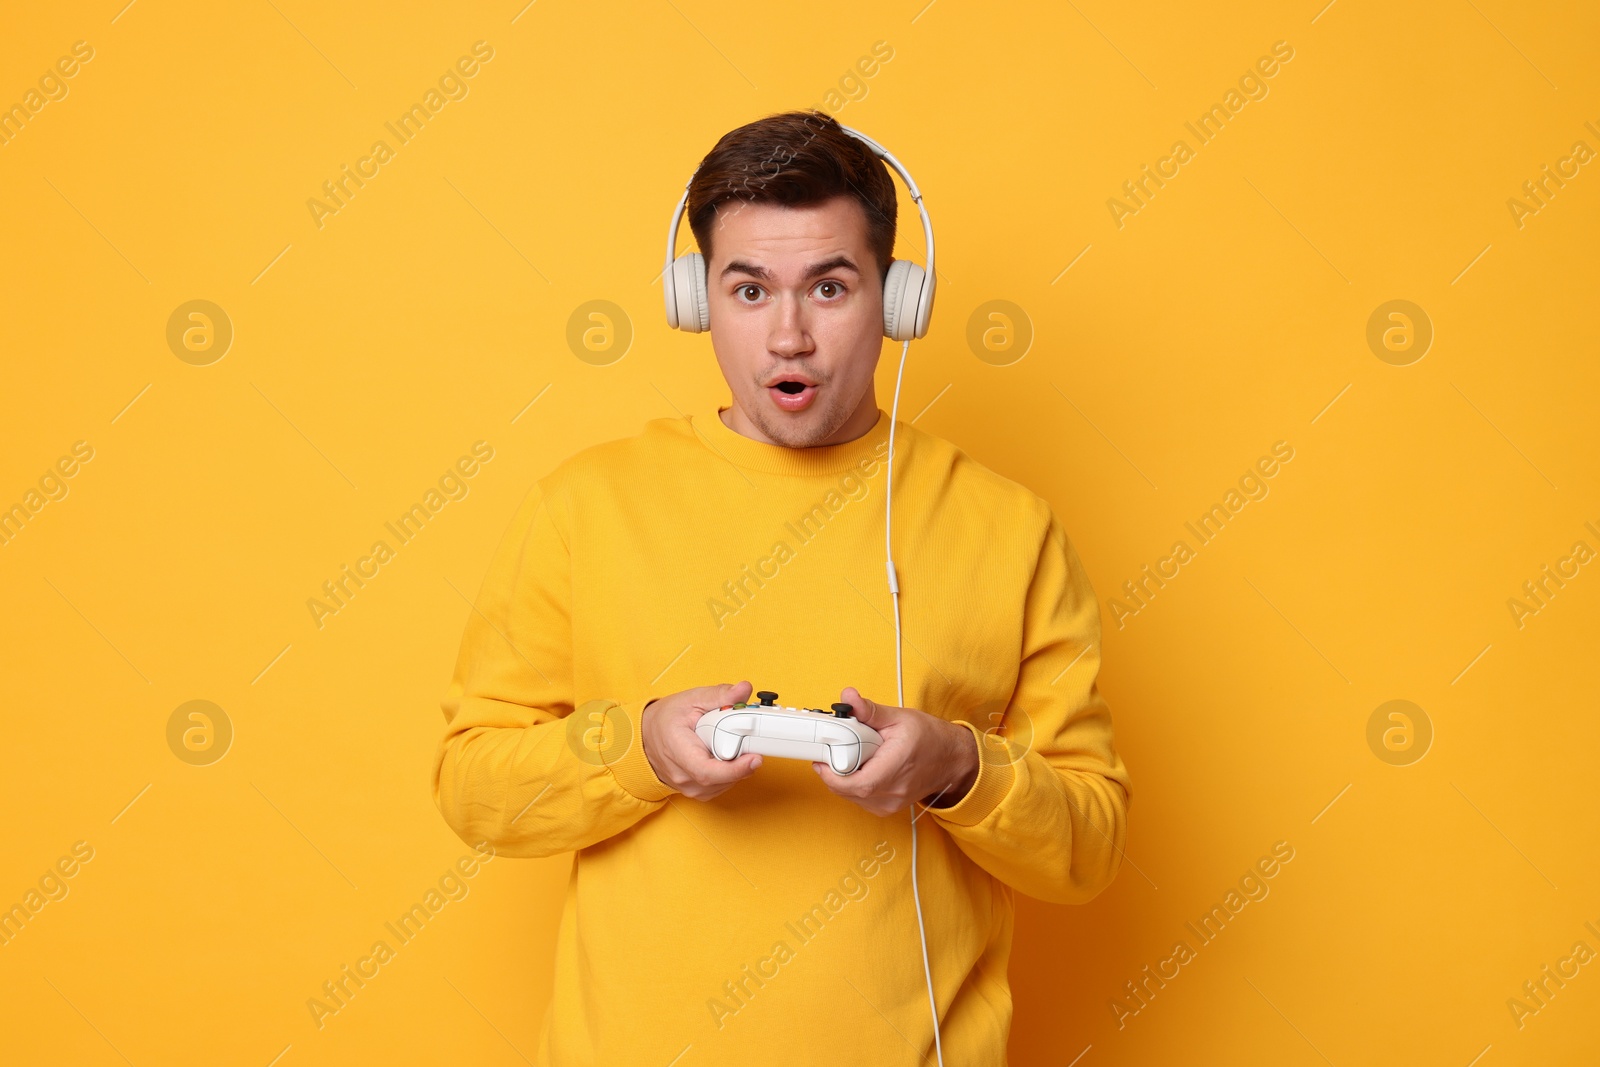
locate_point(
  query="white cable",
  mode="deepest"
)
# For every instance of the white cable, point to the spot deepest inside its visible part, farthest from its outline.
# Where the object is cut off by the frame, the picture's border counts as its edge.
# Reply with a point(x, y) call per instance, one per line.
point(900, 689)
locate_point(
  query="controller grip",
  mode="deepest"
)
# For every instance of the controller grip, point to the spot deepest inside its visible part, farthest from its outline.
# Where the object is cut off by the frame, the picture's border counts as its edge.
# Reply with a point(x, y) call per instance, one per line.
point(725, 744)
point(844, 759)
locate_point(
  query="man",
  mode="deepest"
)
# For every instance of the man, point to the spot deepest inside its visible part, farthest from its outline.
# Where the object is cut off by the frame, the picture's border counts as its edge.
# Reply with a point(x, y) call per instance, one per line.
point(761, 910)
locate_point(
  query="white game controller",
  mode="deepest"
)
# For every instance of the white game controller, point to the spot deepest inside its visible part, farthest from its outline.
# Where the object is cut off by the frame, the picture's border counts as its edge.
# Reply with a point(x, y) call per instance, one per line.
point(771, 729)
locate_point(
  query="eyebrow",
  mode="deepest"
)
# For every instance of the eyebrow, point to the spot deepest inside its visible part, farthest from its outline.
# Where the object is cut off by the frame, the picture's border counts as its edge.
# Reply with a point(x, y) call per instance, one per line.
point(738, 266)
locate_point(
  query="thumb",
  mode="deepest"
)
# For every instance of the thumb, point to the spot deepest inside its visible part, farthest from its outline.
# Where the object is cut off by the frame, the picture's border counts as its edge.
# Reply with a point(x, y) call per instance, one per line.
point(705, 699)
point(869, 712)
point(731, 692)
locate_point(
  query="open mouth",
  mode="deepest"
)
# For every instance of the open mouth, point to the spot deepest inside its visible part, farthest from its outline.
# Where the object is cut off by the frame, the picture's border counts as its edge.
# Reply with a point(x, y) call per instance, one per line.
point(792, 395)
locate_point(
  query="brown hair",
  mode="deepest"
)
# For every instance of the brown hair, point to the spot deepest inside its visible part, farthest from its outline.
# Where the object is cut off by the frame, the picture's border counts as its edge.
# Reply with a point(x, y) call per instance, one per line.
point(793, 158)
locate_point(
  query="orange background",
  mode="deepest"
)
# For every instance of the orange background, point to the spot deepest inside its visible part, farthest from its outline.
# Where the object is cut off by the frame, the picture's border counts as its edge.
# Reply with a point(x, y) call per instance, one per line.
point(1166, 356)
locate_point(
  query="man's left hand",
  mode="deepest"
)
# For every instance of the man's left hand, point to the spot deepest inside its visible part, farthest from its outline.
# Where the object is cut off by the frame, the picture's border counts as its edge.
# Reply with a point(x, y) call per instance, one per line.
point(922, 758)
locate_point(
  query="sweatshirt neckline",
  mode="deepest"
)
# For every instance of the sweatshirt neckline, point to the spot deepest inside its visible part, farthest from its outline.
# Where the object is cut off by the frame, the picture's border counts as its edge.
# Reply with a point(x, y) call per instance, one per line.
point(751, 454)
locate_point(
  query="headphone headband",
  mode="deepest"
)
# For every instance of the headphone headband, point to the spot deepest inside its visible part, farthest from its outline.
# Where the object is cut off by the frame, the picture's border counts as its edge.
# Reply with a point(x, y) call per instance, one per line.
point(911, 187)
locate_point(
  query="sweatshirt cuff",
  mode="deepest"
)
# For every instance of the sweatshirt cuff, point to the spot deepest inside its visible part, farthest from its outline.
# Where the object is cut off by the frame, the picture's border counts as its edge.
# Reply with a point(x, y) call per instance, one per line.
point(996, 772)
point(632, 769)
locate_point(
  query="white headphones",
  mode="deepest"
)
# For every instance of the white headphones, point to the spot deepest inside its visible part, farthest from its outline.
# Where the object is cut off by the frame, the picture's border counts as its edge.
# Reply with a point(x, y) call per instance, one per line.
point(907, 290)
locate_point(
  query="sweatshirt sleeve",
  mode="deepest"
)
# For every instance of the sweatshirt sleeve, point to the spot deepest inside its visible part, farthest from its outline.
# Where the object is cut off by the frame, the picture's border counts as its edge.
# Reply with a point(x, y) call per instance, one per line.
point(519, 766)
point(1047, 813)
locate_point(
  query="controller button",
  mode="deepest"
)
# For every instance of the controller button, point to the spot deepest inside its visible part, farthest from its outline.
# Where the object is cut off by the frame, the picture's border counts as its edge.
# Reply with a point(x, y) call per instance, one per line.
point(842, 711)
point(767, 698)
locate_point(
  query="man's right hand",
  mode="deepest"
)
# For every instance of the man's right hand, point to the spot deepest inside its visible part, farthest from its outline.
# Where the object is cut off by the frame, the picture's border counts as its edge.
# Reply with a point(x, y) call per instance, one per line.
point(675, 751)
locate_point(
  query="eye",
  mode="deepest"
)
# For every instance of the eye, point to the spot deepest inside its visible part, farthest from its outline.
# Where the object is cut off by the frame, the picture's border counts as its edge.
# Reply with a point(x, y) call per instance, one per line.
point(747, 288)
point(837, 289)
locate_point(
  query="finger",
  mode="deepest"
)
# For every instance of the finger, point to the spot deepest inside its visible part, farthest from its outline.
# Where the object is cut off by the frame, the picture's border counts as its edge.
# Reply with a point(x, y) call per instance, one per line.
point(841, 785)
point(834, 782)
point(847, 785)
point(712, 697)
point(708, 770)
point(703, 793)
point(883, 766)
point(868, 712)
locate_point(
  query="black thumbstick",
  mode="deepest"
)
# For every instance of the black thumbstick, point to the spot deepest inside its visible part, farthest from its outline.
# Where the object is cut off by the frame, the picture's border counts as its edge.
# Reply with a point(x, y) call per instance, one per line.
point(842, 711)
point(767, 698)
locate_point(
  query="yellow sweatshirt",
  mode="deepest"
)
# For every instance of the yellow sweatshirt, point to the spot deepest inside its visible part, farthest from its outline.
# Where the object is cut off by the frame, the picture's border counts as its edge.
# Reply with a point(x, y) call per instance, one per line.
point(775, 924)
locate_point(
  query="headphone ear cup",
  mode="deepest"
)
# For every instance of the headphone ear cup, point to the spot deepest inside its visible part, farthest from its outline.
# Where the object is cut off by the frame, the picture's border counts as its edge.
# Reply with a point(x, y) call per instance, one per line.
point(924, 306)
point(670, 295)
point(702, 301)
point(902, 295)
point(688, 307)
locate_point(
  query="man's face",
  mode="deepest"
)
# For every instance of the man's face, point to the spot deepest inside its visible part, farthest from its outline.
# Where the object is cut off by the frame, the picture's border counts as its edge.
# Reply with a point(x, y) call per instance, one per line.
point(796, 295)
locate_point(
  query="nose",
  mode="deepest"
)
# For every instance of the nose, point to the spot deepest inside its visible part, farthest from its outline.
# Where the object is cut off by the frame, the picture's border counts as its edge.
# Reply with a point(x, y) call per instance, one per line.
point(790, 334)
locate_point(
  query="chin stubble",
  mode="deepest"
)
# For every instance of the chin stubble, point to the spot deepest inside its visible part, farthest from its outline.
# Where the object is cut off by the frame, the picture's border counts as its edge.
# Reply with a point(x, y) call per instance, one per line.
point(830, 421)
